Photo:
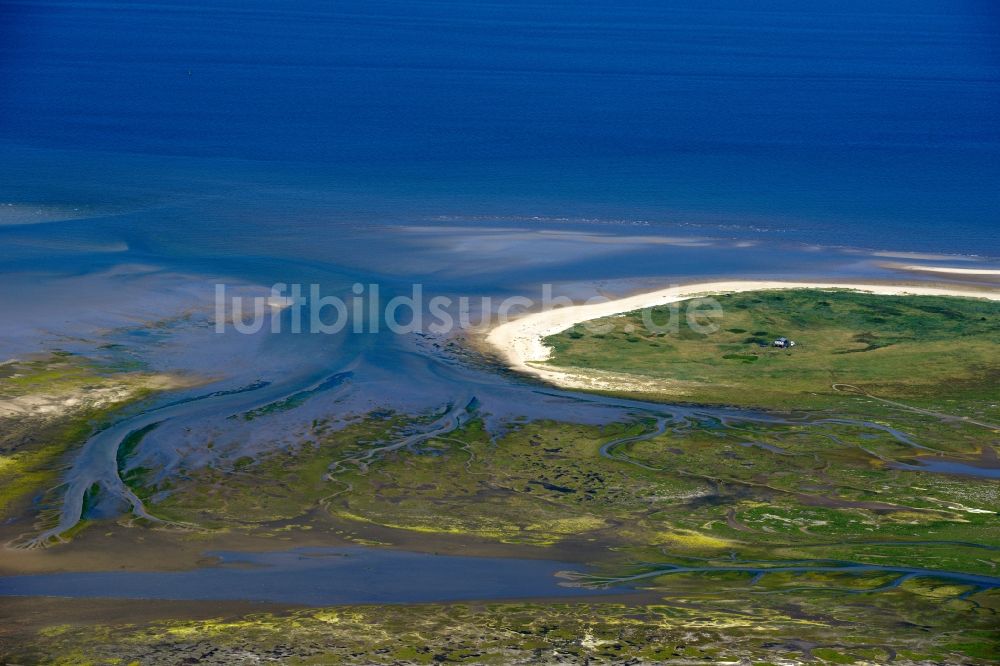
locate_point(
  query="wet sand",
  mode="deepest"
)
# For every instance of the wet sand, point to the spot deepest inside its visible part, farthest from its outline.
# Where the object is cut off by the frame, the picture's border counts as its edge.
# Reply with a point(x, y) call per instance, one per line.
point(948, 269)
point(112, 546)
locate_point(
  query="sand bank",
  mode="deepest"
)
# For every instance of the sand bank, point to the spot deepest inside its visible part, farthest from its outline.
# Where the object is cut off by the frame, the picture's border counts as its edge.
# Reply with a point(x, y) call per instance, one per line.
point(948, 270)
point(520, 342)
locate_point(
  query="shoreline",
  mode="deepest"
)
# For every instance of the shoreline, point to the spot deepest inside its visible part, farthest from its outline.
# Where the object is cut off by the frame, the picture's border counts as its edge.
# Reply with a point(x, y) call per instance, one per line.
point(520, 342)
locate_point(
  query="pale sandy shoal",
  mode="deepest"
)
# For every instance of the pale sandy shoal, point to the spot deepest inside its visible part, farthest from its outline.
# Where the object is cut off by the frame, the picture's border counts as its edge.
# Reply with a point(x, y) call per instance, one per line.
point(519, 342)
point(945, 269)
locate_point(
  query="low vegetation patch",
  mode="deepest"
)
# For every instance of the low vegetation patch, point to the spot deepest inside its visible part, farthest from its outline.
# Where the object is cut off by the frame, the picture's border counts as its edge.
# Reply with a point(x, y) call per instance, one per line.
point(920, 348)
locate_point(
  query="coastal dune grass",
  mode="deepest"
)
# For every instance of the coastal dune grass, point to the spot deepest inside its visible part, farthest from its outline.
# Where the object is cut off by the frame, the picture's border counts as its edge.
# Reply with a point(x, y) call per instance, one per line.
point(923, 349)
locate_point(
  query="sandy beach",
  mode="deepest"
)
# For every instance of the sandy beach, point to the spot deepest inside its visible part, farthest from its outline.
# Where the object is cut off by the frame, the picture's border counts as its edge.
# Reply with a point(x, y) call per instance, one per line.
point(520, 342)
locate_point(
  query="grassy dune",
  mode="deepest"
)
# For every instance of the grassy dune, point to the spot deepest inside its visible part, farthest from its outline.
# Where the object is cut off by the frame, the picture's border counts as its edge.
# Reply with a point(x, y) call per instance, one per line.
point(925, 349)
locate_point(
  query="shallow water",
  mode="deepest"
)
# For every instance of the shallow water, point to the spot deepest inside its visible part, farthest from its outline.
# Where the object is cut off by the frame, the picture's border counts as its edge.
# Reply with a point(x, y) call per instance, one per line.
point(357, 575)
point(320, 576)
point(951, 467)
point(975, 581)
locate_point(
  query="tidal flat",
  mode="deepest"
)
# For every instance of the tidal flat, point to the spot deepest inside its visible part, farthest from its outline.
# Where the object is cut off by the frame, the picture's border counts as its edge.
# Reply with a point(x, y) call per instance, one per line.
point(49, 405)
point(286, 491)
point(815, 527)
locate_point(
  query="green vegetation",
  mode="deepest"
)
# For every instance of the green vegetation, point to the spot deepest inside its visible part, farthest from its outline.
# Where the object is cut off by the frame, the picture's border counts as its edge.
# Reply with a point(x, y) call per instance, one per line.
point(695, 624)
point(922, 349)
point(824, 486)
point(801, 523)
point(48, 406)
point(750, 490)
point(461, 483)
point(246, 493)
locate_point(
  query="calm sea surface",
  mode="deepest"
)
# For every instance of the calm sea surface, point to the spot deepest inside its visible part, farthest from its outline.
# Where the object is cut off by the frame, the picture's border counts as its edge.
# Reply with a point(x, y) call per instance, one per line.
point(867, 124)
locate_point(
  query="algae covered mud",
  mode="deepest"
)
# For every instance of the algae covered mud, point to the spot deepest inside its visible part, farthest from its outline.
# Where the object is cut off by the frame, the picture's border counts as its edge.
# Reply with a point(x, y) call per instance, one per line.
point(188, 481)
point(845, 503)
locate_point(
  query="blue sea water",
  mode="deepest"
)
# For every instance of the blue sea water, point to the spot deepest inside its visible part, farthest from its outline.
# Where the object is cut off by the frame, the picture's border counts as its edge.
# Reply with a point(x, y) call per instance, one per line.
point(872, 124)
point(321, 576)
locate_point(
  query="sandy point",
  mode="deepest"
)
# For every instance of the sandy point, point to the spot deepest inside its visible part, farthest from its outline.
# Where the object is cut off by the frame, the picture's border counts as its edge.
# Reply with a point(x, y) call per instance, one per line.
point(520, 342)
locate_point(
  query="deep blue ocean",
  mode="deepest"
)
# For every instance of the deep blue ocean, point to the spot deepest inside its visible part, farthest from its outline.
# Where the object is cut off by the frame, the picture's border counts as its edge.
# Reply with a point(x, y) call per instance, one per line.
point(870, 124)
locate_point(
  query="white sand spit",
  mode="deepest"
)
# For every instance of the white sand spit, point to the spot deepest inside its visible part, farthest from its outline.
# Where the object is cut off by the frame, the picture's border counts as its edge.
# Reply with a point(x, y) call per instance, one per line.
point(520, 342)
point(945, 269)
